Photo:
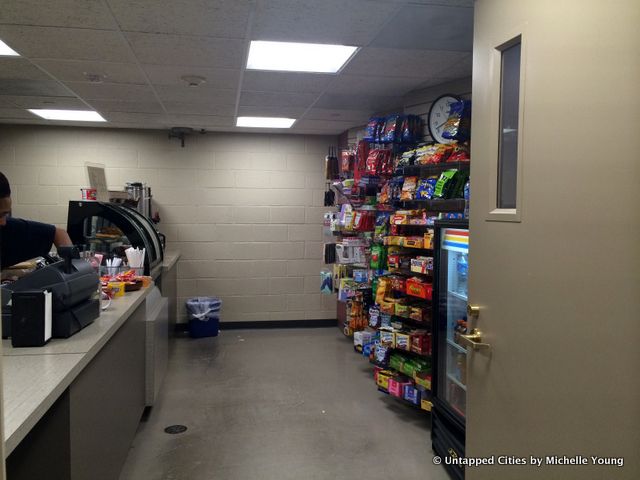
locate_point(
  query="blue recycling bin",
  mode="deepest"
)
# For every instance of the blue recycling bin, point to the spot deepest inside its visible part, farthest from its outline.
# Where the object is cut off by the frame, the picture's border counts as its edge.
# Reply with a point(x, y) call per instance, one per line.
point(204, 316)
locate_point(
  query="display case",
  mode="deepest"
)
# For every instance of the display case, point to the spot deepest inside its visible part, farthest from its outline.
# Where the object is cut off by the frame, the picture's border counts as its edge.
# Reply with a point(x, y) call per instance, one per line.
point(450, 313)
point(110, 228)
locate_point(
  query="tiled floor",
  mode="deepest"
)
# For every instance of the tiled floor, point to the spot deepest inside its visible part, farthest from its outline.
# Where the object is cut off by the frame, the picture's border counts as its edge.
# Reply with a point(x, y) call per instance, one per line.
point(274, 405)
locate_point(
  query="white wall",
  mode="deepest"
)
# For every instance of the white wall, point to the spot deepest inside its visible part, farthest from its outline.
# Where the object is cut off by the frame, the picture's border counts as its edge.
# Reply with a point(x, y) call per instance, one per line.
point(245, 210)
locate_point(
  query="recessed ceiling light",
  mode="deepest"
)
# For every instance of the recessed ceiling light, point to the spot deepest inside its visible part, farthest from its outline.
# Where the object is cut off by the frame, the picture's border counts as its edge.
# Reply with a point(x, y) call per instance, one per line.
point(265, 122)
point(298, 57)
point(7, 51)
point(73, 115)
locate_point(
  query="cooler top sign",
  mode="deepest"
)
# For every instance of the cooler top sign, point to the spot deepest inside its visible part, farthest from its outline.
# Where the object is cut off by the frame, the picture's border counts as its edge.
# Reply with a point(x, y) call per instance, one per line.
point(455, 240)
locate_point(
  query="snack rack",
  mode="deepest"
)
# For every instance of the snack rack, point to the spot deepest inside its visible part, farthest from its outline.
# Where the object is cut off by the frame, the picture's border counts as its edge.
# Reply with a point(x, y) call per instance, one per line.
point(425, 183)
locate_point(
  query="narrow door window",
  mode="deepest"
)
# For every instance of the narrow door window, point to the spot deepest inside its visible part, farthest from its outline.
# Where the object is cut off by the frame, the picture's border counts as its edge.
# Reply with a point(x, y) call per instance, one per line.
point(509, 115)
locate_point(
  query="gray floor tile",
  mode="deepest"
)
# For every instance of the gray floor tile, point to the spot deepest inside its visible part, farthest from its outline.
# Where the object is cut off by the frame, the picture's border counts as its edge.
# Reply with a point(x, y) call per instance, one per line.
point(275, 405)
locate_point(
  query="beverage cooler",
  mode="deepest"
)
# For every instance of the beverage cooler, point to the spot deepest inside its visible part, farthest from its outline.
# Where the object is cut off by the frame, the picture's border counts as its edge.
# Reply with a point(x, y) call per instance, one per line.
point(111, 228)
point(450, 356)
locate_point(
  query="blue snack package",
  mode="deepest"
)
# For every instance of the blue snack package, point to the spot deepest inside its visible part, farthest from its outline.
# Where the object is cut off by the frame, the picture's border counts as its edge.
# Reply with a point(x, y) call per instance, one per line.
point(458, 125)
point(390, 129)
point(372, 130)
point(426, 187)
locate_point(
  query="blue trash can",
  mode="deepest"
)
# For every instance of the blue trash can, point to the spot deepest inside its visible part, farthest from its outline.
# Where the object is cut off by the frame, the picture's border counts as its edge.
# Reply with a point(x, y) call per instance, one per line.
point(204, 316)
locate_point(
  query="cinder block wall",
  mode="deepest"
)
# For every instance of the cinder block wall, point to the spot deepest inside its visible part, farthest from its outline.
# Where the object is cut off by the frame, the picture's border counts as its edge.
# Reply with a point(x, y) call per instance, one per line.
point(245, 210)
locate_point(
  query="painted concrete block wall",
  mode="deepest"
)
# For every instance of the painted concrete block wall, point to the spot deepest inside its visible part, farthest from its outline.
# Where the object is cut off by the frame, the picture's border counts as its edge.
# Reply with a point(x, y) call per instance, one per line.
point(245, 210)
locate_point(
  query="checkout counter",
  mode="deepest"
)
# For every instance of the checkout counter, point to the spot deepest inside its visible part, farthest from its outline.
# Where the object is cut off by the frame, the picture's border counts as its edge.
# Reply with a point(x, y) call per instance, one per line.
point(72, 407)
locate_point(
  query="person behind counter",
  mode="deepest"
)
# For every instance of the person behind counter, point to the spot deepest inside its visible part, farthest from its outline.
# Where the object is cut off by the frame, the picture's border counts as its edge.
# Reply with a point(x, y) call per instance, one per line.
point(21, 239)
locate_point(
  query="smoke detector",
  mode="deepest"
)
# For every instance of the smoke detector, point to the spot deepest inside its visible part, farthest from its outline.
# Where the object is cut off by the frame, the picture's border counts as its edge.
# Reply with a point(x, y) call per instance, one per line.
point(193, 80)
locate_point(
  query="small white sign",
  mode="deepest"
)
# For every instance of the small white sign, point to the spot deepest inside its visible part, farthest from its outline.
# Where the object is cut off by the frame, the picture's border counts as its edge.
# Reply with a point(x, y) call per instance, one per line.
point(98, 180)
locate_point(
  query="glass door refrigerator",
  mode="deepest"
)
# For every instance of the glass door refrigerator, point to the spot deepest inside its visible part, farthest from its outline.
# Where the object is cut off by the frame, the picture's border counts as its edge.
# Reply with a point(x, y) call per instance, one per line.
point(450, 357)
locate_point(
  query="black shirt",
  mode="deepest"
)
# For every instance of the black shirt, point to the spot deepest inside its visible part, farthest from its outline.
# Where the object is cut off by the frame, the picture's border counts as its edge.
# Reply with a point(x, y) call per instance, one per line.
point(24, 239)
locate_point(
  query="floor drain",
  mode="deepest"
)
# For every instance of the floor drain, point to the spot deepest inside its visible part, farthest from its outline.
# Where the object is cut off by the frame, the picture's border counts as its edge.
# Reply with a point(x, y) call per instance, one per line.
point(173, 429)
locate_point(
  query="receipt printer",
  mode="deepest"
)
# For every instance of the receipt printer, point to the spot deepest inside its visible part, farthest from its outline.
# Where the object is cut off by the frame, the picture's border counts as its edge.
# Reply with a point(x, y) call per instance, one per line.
point(73, 285)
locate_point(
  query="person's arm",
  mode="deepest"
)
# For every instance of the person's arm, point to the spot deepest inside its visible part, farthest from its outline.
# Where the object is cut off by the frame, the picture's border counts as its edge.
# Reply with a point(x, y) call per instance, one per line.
point(61, 238)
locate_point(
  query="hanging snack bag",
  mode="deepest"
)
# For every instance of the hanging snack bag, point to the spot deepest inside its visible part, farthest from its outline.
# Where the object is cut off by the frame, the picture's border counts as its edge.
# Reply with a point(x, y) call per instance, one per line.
point(459, 153)
point(347, 160)
point(386, 166)
point(450, 184)
point(407, 158)
point(426, 187)
point(409, 188)
point(458, 125)
point(390, 129)
point(378, 253)
point(372, 162)
point(381, 226)
point(371, 131)
point(384, 195)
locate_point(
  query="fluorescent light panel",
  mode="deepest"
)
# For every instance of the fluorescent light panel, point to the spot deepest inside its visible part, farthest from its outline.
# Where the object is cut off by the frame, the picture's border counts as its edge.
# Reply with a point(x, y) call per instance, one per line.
point(265, 122)
point(7, 51)
point(73, 115)
point(298, 57)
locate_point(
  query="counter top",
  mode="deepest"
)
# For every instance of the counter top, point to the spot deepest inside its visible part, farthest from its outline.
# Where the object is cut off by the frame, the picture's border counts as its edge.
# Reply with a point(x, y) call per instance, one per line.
point(170, 259)
point(33, 378)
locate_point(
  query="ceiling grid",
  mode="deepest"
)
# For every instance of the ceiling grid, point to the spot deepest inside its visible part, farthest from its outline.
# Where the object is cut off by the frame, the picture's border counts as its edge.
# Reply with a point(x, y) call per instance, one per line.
point(126, 58)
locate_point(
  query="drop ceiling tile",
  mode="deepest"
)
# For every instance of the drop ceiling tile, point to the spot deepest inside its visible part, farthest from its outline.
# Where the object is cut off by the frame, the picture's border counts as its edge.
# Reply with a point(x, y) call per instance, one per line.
point(161, 49)
point(329, 21)
point(47, 88)
point(219, 18)
point(460, 70)
point(323, 126)
point(5, 102)
point(395, 62)
point(47, 102)
point(448, 3)
point(201, 108)
point(182, 93)
point(357, 116)
point(12, 67)
point(285, 82)
point(9, 113)
point(67, 43)
point(429, 27)
point(126, 106)
point(359, 102)
point(130, 117)
point(224, 78)
point(280, 111)
point(58, 13)
point(264, 99)
point(22, 121)
point(76, 70)
point(200, 121)
point(373, 85)
point(112, 91)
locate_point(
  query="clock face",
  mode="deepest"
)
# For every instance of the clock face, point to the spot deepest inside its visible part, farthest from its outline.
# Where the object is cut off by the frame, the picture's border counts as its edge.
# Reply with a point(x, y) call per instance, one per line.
point(438, 115)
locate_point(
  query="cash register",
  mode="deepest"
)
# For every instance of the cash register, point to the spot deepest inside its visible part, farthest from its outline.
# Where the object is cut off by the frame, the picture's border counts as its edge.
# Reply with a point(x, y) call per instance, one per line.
point(73, 284)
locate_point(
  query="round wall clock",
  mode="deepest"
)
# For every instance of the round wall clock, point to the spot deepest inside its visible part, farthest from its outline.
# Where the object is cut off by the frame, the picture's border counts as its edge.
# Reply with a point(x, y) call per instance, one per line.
point(438, 115)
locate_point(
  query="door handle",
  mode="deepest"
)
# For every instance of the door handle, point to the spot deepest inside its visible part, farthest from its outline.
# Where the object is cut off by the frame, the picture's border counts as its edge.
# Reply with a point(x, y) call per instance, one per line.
point(474, 340)
point(473, 310)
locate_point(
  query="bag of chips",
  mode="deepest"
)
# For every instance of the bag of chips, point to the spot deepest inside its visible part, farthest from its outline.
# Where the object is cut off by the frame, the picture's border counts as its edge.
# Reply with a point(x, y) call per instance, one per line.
point(425, 189)
point(409, 188)
point(458, 125)
point(390, 129)
point(371, 131)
